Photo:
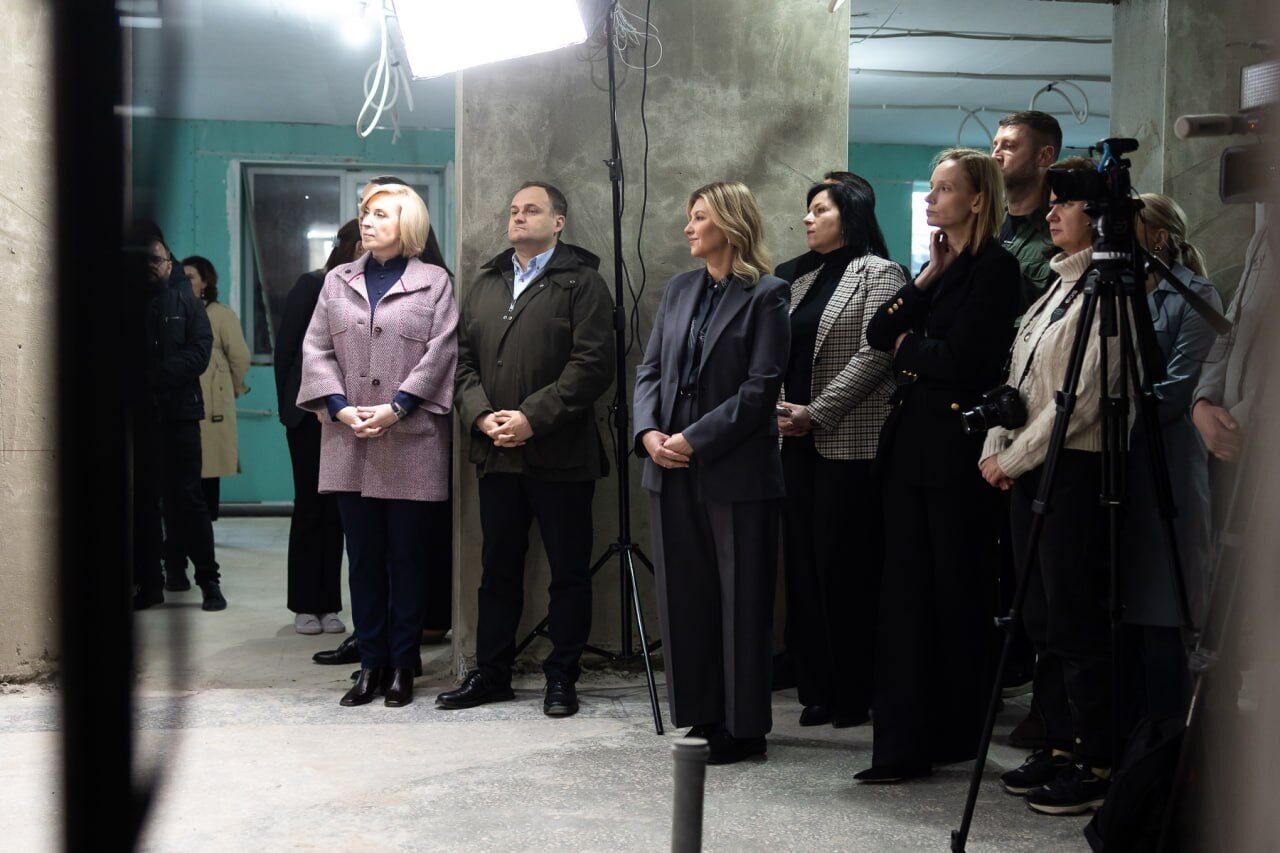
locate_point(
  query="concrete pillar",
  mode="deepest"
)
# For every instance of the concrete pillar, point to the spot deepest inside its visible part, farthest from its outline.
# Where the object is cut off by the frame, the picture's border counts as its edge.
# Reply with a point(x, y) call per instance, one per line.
point(1171, 58)
point(27, 472)
point(754, 92)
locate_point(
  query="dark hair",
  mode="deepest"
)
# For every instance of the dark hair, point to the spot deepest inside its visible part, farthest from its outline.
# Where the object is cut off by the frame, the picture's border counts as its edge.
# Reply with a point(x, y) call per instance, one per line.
point(559, 204)
point(141, 233)
point(1042, 125)
point(858, 225)
point(431, 253)
point(344, 247)
point(207, 273)
point(850, 179)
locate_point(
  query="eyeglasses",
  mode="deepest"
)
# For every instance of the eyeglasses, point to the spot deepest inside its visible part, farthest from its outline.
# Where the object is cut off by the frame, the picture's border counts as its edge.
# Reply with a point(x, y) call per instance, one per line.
point(159, 260)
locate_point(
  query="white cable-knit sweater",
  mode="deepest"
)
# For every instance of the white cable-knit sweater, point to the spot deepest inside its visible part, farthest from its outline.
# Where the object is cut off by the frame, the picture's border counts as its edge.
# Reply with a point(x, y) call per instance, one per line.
point(1019, 450)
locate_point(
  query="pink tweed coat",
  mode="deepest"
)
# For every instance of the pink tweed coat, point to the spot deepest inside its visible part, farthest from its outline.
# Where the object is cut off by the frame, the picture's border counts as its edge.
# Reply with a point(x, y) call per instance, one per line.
point(410, 345)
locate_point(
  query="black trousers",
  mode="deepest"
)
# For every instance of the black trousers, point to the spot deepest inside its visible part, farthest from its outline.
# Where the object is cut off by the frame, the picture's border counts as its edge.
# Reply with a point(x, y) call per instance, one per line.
point(1066, 606)
point(148, 530)
point(315, 531)
point(439, 586)
point(188, 529)
point(509, 503)
point(1157, 683)
point(212, 488)
point(833, 545)
point(386, 544)
point(934, 641)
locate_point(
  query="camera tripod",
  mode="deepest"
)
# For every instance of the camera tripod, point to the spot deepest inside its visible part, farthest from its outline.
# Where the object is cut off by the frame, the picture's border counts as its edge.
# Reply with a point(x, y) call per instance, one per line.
point(1113, 290)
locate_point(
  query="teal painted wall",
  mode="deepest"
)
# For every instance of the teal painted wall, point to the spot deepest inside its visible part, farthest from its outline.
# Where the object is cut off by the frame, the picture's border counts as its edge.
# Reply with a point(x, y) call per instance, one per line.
point(180, 172)
point(892, 170)
point(181, 168)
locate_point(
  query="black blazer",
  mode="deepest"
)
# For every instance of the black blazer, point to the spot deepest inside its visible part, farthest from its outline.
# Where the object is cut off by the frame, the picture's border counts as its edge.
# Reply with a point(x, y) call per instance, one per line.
point(299, 305)
point(744, 357)
point(961, 328)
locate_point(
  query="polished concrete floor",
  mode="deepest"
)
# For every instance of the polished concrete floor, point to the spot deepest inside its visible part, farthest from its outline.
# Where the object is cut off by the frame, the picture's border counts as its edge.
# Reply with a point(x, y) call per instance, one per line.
point(258, 755)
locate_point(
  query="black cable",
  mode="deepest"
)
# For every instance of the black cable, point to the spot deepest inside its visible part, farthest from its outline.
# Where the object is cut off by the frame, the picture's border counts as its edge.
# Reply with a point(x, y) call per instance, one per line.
point(644, 183)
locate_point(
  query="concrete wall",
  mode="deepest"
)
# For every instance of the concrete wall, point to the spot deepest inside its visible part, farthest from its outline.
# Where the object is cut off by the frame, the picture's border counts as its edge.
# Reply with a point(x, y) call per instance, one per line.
point(755, 92)
point(28, 634)
point(1171, 58)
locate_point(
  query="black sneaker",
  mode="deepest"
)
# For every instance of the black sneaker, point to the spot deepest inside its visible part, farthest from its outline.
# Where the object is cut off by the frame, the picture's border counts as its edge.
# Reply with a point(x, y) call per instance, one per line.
point(1076, 790)
point(1040, 768)
point(213, 599)
point(145, 598)
point(176, 580)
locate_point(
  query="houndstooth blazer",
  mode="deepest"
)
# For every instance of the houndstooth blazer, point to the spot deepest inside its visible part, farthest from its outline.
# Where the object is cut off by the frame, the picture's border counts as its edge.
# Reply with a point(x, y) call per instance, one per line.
point(851, 382)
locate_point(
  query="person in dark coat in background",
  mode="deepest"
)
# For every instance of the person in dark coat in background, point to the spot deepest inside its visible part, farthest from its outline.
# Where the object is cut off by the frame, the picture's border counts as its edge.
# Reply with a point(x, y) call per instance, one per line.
point(315, 530)
point(535, 354)
point(176, 342)
point(949, 332)
point(705, 404)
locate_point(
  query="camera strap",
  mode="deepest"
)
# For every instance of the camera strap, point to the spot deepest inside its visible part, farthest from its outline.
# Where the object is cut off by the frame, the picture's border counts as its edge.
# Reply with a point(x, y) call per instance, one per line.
point(1057, 314)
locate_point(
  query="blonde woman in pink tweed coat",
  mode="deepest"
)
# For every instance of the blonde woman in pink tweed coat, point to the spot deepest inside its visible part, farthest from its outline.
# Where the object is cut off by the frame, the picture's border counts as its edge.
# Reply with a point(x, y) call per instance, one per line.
point(378, 363)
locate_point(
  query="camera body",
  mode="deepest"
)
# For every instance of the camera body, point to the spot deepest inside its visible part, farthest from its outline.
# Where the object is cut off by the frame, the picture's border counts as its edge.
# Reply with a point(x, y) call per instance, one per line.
point(1002, 407)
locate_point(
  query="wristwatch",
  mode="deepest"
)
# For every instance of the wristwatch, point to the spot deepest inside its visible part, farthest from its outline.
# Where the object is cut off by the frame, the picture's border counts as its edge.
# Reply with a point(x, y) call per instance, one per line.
point(400, 412)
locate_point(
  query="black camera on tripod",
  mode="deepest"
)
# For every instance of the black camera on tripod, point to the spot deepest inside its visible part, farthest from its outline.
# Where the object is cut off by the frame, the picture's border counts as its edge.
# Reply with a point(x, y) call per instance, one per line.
point(1002, 407)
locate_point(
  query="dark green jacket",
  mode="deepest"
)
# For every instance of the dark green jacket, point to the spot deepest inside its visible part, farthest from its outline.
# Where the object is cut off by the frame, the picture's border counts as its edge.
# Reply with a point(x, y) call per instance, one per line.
point(1032, 247)
point(549, 354)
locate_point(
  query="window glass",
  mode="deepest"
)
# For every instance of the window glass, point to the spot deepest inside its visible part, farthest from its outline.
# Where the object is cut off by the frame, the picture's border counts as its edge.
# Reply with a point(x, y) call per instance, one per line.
point(920, 229)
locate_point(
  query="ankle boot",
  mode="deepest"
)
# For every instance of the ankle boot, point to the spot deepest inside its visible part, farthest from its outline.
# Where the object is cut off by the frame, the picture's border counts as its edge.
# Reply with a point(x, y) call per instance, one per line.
point(400, 690)
point(367, 684)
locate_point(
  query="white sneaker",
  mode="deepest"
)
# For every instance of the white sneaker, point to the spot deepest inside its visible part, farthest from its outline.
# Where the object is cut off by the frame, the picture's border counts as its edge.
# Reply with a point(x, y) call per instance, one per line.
point(307, 623)
point(332, 624)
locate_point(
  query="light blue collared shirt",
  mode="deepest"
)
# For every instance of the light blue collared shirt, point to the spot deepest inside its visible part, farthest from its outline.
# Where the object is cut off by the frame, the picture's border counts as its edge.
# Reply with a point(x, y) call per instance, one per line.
point(526, 276)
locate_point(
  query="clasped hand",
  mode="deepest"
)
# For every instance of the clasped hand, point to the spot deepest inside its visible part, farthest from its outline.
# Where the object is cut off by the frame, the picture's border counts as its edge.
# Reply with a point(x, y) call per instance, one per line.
point(796, 423)
point(994, 474)
point(668, 451)
point(368, 421)
point(507, 428)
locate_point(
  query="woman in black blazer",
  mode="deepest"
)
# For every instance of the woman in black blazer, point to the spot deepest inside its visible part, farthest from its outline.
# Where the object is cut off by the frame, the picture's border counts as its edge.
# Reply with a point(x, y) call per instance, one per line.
point(949, 332)
point(836, 398)
point(705, 401)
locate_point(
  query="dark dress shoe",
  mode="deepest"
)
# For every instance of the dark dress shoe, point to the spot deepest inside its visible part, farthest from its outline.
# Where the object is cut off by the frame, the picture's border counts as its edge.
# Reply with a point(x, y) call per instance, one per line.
point(346, 652)
point(848, 719)
point(213, 599)
point(400, 689)
point(706, 731)
point(727, 749)
point(477, 689)
point(144, 598)
point(888, 774)
point(177, 580)
point(815, 715)
point(559, 699)
point(365, 688)
point(417, 671)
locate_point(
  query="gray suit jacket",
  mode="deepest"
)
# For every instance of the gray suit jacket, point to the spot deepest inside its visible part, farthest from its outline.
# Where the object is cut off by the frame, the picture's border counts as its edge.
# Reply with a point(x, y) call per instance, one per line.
point(735, 450)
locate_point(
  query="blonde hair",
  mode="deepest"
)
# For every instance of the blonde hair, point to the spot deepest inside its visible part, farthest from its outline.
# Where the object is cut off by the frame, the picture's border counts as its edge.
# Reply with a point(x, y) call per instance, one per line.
point(984, 176)
point(415, 222)
point(1160, 211)
point(734, 211)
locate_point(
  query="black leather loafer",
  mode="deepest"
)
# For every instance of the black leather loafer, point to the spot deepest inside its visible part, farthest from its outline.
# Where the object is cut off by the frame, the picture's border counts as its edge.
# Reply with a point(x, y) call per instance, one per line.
point(400, 689)
point(559, 699)
point(727, 749)
point(365, 688)
point(815, 715)
point(346, 652)
point(477, 689)
point(889, 775)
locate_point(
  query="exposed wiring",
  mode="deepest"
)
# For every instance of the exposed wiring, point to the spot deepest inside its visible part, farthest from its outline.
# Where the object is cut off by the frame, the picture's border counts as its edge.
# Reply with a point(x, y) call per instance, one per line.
point(883, 32)
point(387, 84)
point(972, 115)
point(626, 34)
point(882, 24)
point(644, 177)
point(1081, 116)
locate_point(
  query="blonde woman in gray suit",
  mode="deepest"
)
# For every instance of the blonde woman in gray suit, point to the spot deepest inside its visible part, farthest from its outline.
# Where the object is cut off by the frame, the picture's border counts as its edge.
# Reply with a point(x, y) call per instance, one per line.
point(834, 401)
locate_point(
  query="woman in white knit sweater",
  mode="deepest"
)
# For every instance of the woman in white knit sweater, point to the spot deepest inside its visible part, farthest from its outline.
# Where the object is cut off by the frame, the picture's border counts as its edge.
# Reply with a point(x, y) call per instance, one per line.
point(1066, 606)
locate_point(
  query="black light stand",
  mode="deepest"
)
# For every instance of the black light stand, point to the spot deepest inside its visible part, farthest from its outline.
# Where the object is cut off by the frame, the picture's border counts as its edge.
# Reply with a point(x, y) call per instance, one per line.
point(624, 548)
point(1114, 290)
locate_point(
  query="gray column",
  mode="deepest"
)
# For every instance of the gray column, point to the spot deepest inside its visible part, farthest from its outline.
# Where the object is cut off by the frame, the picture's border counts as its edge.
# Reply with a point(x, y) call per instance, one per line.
point(1171, 58)
point(753, 92)
point(28, 634)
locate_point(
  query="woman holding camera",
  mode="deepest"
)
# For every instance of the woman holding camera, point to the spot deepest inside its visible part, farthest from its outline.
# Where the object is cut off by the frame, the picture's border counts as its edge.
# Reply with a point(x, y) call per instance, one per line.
point(948, 331)
point(1068, 577)
point(1154, 661)
point(835, 400)
point(378, 361)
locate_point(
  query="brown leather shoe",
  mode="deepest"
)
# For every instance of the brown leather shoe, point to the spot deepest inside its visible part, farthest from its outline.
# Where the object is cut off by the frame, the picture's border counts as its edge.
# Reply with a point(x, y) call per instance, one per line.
point(366, 686)
point(400, 690)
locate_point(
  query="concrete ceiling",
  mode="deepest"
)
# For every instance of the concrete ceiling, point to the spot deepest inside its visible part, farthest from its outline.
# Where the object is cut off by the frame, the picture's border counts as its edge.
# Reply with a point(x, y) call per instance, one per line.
point(296, 61)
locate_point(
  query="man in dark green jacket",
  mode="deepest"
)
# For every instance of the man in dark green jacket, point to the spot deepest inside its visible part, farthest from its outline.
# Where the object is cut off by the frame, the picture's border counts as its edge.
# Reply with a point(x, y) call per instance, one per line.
point(1026, 144)
point(535, 354)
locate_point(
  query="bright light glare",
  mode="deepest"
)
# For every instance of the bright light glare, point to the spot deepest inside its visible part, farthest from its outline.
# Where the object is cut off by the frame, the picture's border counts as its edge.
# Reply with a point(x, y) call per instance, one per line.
point(444, 35)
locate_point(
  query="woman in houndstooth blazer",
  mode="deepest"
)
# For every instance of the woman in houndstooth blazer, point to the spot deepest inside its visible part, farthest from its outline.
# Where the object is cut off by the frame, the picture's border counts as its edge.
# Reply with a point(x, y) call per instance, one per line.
point(835, 398)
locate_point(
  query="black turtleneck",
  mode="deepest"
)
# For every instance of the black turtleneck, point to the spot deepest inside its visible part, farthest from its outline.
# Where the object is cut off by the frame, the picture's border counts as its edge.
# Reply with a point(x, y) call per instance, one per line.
point(804, 323)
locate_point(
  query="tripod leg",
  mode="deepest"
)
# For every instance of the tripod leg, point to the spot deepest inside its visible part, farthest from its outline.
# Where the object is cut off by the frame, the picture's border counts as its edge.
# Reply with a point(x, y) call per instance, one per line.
point(644, 643)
